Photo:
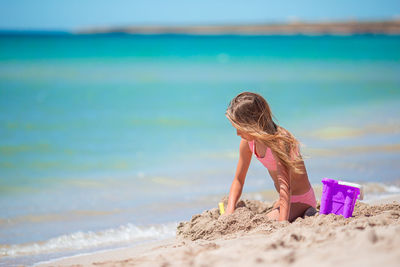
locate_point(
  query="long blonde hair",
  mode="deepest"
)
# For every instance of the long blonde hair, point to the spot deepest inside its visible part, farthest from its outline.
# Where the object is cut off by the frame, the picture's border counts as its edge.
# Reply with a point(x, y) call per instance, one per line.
point(250, 113)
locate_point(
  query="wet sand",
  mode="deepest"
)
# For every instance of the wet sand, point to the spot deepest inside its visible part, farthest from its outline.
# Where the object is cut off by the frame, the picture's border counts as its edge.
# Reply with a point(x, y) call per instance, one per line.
point(248, 238)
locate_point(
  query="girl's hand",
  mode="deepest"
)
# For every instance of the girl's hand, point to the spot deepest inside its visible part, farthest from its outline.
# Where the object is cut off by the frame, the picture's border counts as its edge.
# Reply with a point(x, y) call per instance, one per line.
point(228, 213)
point(229, 210)
point(276, 205)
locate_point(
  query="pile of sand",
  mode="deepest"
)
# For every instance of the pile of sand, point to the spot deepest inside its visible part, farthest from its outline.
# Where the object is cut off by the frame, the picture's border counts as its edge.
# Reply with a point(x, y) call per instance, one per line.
point(250, 215)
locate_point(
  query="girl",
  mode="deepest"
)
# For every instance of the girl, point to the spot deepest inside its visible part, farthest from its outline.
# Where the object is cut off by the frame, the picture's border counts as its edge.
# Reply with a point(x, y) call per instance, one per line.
point(277, 150)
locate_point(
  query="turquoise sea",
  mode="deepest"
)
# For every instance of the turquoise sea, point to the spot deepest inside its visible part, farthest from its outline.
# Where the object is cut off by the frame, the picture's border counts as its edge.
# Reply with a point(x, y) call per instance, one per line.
point(110, 140)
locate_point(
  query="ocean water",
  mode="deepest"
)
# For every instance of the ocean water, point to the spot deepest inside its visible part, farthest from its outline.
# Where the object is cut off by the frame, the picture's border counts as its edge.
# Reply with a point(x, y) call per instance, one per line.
point(110, 140)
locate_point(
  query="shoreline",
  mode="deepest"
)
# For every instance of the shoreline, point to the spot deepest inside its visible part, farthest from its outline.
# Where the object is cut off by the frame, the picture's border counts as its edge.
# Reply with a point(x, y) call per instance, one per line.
point(181, 252)
point(108, 254)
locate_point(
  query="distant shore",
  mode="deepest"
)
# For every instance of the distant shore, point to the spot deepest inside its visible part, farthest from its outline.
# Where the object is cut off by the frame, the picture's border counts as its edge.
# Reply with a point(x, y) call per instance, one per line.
point(391, 27)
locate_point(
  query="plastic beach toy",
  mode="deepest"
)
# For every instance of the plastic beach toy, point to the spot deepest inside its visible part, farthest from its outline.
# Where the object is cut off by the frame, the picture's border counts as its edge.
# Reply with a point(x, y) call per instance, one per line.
point(221, 208)
point(339, 197)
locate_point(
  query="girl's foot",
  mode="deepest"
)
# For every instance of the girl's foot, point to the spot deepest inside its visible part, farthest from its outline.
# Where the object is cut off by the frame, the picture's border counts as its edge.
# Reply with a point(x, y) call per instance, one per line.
point(311, 211)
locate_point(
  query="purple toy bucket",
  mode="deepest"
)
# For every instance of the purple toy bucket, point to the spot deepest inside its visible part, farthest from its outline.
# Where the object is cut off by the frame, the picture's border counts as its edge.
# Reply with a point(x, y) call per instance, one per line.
point(339, 197)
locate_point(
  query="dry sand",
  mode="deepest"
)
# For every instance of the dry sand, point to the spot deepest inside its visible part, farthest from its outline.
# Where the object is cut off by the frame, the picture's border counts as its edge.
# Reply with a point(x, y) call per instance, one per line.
point(247, 238)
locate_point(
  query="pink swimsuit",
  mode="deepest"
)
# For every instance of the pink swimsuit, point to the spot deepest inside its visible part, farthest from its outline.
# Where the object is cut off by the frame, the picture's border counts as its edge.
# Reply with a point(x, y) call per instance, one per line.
point(268, 160)
point(270, 163)
point(307, 198)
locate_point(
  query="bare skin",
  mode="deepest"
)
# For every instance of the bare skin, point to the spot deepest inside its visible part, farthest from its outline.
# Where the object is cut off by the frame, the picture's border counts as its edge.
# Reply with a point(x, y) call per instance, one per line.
point(286, 182)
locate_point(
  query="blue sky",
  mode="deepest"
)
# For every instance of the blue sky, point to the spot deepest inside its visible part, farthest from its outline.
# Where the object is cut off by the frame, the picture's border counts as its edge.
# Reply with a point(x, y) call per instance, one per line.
point(75, 14)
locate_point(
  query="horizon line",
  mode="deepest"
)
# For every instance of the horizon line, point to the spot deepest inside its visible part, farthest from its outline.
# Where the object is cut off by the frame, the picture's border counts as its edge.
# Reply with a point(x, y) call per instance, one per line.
point(343, 27)
point(188, 25)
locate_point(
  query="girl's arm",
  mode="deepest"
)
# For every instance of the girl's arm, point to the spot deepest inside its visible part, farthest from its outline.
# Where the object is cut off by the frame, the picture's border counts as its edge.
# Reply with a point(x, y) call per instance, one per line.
point(284, 191)
point(240, 176)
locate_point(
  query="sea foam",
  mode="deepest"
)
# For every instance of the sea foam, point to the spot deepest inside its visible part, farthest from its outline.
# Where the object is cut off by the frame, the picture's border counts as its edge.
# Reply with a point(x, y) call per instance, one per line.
point(124, 234)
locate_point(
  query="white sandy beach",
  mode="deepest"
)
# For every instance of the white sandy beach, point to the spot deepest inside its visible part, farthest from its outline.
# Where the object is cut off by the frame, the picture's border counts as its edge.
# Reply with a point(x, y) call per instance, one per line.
point(370, 238)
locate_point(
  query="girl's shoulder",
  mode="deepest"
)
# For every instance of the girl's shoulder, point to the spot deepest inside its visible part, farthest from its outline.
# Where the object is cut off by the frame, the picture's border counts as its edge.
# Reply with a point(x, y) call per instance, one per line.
point(249, 144)
point(245, 147)
point(244, 142)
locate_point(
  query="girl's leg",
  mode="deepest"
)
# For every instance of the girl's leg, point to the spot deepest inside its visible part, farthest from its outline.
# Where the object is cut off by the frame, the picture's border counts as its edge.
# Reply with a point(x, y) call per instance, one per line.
point(296, 210)
point(273, 214)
